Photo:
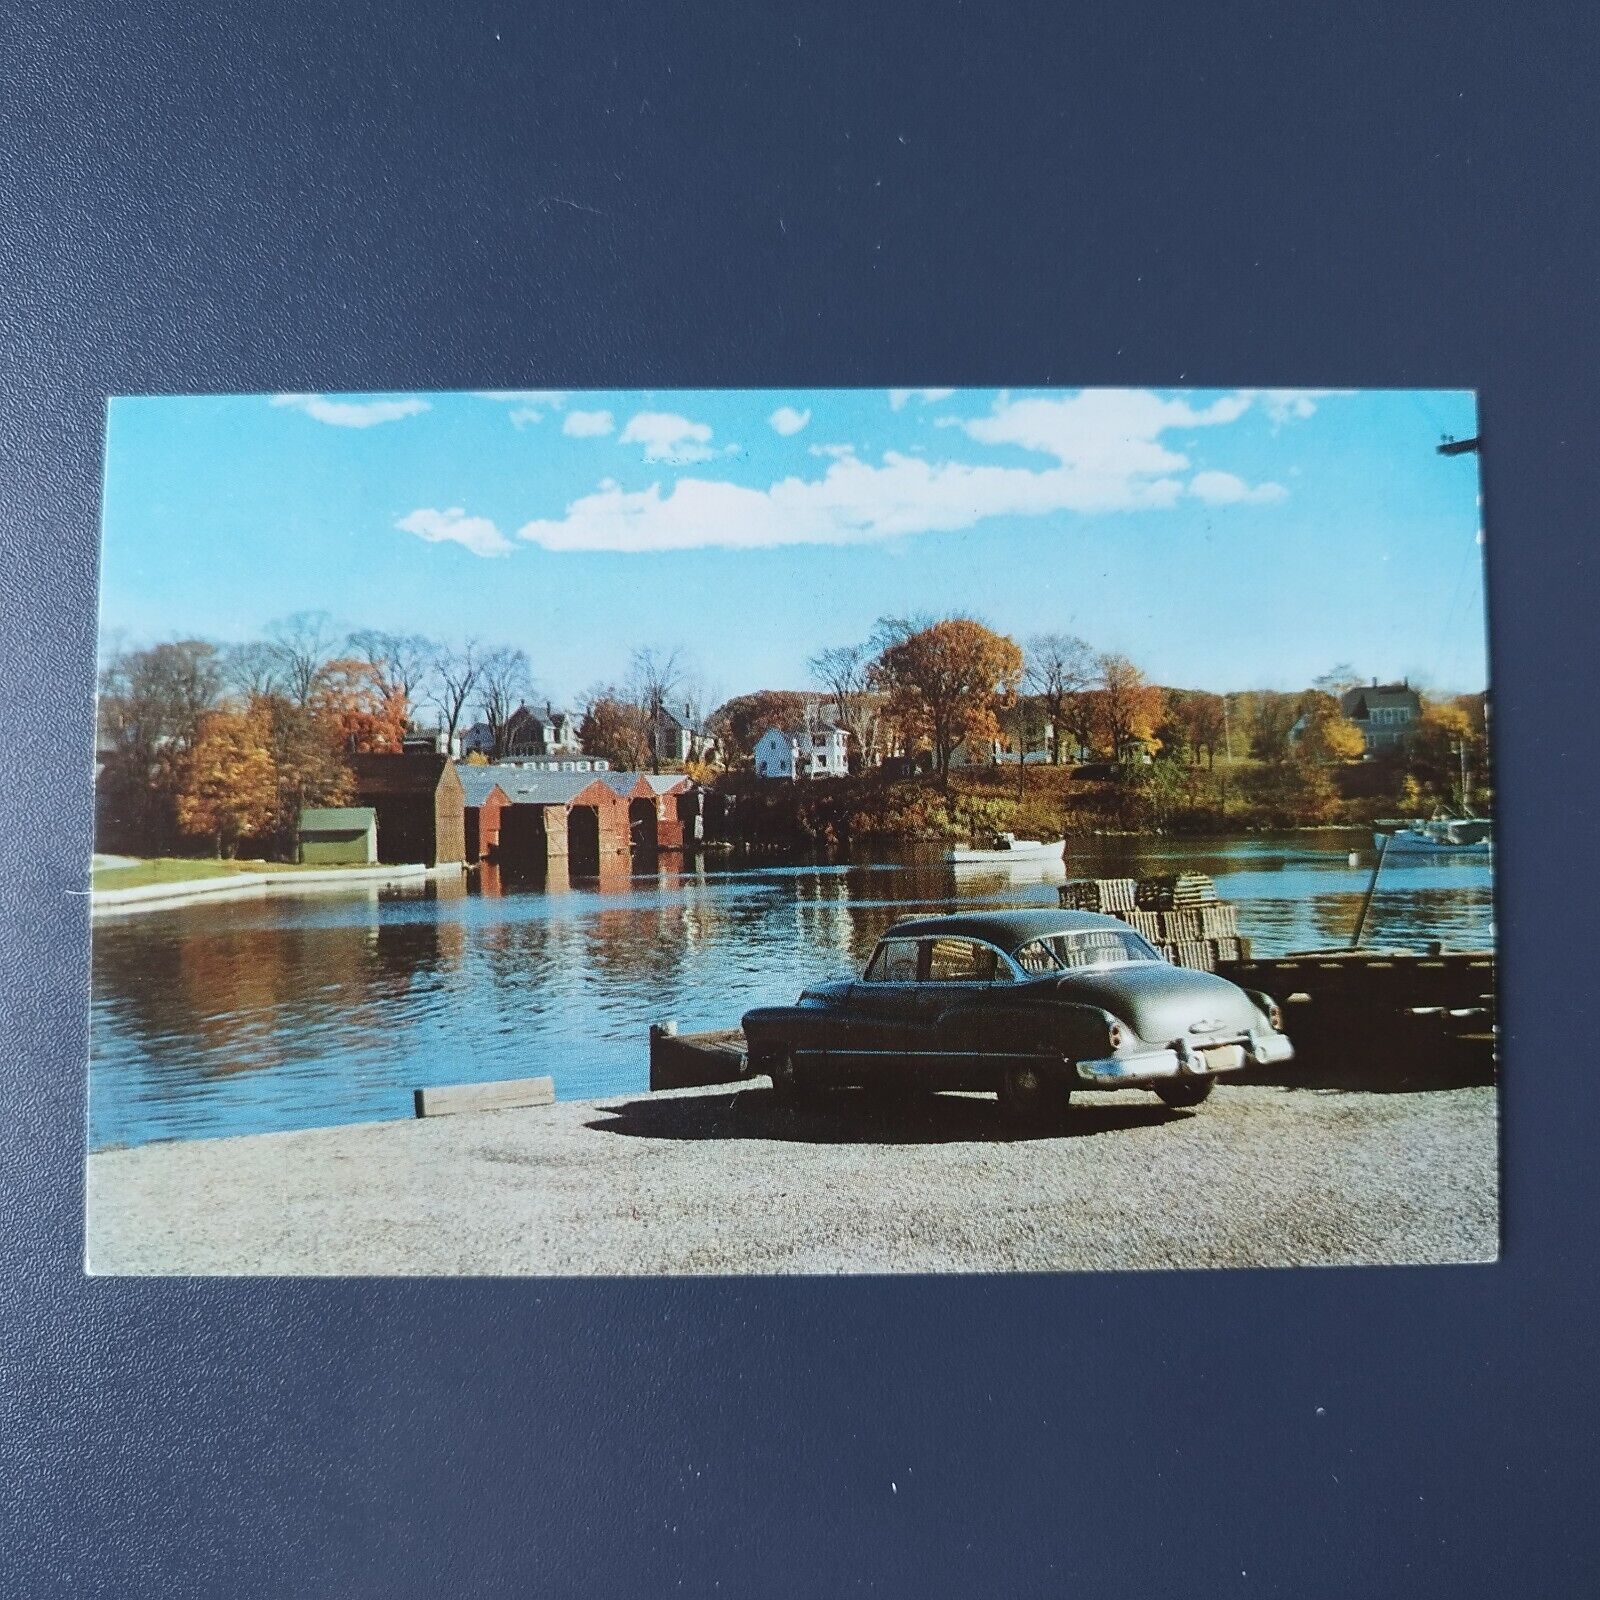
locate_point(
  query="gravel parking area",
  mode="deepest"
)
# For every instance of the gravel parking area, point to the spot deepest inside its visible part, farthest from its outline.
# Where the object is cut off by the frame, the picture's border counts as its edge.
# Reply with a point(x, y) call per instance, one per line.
point(723, 1181)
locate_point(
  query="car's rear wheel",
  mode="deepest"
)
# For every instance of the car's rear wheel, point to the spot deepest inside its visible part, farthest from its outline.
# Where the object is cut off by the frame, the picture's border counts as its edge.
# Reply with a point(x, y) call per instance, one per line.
point(790, 1083)
point(1182, 1093)
point(1030, 1095)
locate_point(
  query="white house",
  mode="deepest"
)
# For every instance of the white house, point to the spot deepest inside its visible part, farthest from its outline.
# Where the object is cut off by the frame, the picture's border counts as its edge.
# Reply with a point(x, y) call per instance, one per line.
point(819, 752)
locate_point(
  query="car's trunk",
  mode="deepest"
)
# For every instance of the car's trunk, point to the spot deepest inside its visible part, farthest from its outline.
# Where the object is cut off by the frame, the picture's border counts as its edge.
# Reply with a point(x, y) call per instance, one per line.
point(1160, 1002)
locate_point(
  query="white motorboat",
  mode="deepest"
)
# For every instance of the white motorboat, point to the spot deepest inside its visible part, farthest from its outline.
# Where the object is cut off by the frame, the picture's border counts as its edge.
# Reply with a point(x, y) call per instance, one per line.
point(1437, 836)
point(1005, 849)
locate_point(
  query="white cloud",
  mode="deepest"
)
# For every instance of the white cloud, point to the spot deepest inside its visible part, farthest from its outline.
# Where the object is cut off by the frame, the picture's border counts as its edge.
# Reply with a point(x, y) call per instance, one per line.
point(477, 534)
point(587, 424)
point(352, 413)
point(669, 437)
point(787, 420)
point(898, 397)
point(1099, 430)
point(853, 503)
point(836, 452)
point(1290, 405)
point(1223, 489)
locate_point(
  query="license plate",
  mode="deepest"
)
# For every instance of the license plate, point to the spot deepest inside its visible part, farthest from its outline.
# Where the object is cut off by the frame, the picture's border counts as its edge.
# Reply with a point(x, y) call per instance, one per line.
point(1223, 1057)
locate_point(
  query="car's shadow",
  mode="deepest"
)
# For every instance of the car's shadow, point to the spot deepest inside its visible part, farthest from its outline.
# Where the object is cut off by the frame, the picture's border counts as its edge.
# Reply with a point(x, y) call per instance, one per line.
point(852, 1118)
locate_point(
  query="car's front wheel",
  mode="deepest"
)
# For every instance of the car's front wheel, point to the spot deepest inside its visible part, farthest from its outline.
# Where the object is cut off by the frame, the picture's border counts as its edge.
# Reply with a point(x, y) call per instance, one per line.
point(1030, 1095)
point(1182, 1093)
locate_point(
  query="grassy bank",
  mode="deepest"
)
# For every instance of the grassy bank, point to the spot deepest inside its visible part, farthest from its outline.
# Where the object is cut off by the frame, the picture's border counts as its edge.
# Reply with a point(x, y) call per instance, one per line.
point(181, 869)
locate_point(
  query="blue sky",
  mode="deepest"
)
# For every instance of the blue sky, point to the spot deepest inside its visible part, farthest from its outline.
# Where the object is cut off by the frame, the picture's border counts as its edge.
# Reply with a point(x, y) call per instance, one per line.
point(1225, 539)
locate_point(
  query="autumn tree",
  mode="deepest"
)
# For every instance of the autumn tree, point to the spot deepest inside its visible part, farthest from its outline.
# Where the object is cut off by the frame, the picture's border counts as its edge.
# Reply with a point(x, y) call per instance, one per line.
point(945, 683)
point(402, 661)
point(1326, 735)
point(1191, 725)
point(151, 706)
point(227, 786)
point(1443, 731)
point(1129, 706)
point(363, 712)
point(308, 764)
point(614, 729)
point(740, 722)
point(1269, 716)
point(1058, 667)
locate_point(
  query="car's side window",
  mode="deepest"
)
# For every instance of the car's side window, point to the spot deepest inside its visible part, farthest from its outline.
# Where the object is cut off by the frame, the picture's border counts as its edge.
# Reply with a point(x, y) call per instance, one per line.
point(962, 961)
point(894, 962)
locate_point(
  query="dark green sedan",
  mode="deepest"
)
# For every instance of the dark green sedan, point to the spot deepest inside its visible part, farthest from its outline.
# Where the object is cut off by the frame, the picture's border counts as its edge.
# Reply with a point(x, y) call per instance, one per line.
point(1025, 1004)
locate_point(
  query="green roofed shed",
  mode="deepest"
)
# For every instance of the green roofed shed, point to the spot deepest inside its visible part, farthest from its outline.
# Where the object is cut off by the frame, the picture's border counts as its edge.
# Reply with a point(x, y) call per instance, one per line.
point(338, 836)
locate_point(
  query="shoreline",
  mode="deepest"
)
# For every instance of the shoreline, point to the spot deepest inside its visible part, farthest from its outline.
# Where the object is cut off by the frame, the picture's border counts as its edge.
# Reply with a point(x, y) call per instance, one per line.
point(256, 885)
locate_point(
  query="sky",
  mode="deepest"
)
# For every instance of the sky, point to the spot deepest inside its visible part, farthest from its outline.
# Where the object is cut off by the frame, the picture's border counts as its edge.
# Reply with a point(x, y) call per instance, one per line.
point(1224, 539)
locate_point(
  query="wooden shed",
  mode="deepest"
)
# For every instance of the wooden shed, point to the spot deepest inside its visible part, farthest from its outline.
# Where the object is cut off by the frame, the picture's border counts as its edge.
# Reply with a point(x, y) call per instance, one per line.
point(338, 836)
point(485, 801)
point(420, 804)
point(557, 816)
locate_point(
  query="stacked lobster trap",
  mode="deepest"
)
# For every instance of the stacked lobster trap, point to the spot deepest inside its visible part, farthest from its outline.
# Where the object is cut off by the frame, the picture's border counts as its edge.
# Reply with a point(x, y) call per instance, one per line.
point(1179, 913)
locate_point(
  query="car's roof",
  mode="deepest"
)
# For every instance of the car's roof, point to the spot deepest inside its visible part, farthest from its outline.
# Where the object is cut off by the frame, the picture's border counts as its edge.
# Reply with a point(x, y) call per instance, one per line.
point(1010, 930)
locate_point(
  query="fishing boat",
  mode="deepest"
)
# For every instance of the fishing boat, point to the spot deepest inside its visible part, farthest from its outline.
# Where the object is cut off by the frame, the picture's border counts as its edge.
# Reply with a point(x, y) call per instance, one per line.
point(1005, 849)
point(1436, 835)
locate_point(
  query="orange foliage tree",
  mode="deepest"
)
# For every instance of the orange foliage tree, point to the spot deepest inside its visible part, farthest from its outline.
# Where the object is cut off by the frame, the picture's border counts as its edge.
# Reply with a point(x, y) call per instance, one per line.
point(1130, 708)
point(227, 782)
point(945, 683)
point(366, 712)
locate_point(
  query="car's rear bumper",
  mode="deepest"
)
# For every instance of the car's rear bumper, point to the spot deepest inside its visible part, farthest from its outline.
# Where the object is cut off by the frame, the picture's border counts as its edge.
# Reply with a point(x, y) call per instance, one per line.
point(1151, 1066)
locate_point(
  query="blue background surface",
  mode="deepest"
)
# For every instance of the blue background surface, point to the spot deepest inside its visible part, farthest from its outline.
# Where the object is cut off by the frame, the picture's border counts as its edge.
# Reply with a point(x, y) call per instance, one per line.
point(405, 197)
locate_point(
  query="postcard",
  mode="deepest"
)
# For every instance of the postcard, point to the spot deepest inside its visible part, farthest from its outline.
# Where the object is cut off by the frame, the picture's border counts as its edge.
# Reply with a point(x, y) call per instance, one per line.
point(792, 832)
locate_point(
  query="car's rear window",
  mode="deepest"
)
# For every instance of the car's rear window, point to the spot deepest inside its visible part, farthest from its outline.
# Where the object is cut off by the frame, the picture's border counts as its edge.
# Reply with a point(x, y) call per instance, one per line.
point(1087, 947)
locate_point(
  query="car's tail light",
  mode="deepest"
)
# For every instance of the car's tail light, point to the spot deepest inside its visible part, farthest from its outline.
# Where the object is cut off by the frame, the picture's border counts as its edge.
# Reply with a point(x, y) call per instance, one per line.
point(1275, 1015)
point(1114, 1034)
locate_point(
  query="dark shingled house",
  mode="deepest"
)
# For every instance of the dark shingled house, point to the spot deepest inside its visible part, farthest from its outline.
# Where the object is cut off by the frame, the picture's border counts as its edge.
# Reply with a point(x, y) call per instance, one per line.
point(420, 805)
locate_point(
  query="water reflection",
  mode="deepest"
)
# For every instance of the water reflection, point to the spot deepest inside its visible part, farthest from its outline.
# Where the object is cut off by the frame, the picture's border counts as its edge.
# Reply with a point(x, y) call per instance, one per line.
point(250, 1015)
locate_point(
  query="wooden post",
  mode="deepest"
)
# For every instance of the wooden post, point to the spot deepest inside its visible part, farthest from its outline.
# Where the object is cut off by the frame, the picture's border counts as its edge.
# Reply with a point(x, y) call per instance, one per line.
point(1366, 903)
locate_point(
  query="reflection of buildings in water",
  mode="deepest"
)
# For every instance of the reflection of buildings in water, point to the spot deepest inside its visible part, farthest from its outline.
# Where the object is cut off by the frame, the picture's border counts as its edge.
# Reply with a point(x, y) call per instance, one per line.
point(450, 886)
point(259, 997)
point(606, 874)
point(494, 880)
point(635, 943)
point(828, 923)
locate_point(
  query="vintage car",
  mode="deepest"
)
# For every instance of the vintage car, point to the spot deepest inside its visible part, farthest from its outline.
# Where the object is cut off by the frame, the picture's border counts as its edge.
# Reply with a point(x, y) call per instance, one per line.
point(1025, 1004)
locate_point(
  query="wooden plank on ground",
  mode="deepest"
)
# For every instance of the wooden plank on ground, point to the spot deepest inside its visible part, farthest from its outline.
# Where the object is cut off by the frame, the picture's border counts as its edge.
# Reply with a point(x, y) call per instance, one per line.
point(508, 1094)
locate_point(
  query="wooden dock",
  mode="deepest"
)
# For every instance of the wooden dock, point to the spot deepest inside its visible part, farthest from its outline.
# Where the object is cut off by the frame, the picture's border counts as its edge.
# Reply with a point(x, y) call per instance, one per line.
point(696, 1060)
point(1369, 1019)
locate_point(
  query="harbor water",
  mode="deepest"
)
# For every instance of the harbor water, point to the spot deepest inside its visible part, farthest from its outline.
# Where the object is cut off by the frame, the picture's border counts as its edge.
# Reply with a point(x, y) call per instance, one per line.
point(306, 1011)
